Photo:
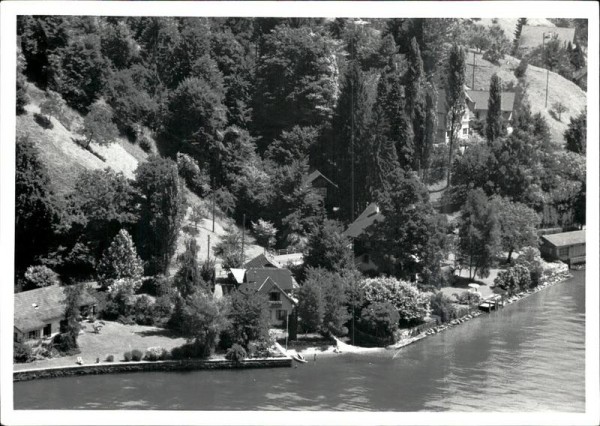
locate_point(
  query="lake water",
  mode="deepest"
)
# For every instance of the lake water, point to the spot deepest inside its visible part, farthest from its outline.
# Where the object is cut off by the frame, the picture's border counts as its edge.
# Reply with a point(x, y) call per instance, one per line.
point(527, 357)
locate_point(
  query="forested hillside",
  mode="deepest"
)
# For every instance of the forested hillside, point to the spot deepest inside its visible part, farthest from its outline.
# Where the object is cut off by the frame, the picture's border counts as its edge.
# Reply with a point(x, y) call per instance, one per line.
point(239, 111)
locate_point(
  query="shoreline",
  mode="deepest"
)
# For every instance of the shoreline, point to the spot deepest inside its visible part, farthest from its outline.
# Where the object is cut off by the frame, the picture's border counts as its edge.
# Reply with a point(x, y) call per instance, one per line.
point(340, 348)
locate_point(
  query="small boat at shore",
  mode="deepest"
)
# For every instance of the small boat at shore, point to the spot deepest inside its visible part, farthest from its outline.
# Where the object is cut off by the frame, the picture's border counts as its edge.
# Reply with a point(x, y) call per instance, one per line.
point(298, 357)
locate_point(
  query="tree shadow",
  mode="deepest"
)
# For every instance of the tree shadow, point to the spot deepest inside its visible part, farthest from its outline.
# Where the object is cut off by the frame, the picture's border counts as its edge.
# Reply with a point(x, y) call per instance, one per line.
point(161, 332)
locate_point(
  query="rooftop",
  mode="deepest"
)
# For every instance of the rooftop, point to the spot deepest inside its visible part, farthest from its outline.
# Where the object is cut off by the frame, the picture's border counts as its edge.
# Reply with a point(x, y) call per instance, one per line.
point(310, 178)
point(34, 308)
point(480, 99)
point(262, 261)
point(362, 222)
point(566, 238)
point(532, 36)
point(283, 277)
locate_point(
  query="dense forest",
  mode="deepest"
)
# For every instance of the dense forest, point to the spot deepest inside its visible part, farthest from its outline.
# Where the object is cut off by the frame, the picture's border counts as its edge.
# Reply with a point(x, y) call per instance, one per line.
point(242, 109)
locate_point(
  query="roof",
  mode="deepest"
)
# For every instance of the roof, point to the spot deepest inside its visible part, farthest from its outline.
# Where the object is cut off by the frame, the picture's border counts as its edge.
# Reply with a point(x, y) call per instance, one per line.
point(480, 99)
point(35, 308)
point(532, 36)
point(362, 222)
point(566, 238)
point(262, 261)
point(315, 175)
point(264, 287)
point(281, 276)
point(238, 274)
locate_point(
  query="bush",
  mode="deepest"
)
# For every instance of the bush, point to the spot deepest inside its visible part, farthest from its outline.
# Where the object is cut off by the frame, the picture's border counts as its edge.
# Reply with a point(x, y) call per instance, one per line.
point(65, 343)
point(110, 358)
point(41, 276)
point(468, 298)
point(236, 353)
point(21, 353)
point(441, 306)
point(43, 121)
point(190, 350)
point(162, 310)
point(146, 144)
point(127, 356)
point(521, 69)
point(136, 355)
point(513, 280)
point(493, 55)
point(143, 311)
point(154, 354)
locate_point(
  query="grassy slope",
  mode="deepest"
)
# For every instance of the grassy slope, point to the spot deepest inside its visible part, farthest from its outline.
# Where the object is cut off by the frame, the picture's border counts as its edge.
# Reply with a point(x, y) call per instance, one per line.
point(560, 89)
point(65, 160)
point(509, 25)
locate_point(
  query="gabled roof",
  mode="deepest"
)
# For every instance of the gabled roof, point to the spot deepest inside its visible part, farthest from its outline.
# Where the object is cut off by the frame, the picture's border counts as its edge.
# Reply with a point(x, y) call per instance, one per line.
point(283, 277)
point(265, 287)
point(35, 308)
point(314, 176)
point(480, 100)
point(532, 36)
point(362, 222)
point(262, 261)
point(565, 238)
point(238, 274)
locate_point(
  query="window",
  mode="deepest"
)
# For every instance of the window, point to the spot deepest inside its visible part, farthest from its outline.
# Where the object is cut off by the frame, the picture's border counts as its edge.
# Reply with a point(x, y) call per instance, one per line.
point(35, 334)
point(465, 131)
point(274, 296)
point(281, 314)
point(48, 330)
point(563, 252)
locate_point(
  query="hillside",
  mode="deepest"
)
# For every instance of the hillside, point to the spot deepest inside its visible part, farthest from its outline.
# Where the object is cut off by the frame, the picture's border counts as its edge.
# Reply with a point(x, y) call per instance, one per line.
point(65, 159)
point(508, 25)
point(560, 89)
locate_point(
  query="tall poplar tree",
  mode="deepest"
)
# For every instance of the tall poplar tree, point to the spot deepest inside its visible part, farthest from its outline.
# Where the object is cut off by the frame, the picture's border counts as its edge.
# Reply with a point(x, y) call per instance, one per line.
point(493, 124)
point(455, 97)
point(415, 100)
point(520, 23)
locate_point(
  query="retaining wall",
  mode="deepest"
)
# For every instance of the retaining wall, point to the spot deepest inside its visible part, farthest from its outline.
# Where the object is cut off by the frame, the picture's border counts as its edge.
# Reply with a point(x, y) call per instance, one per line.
point(130, 367)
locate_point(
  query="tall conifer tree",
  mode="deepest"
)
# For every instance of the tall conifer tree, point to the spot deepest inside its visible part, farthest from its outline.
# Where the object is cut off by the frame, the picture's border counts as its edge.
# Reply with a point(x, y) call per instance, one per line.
point(493, 125)
point(455, 97)
point(415, 101)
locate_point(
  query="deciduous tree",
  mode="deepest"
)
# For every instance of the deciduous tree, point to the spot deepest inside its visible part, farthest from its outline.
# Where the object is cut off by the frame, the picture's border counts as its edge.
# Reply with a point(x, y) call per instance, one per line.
point(517, 225)
point(576, 134)
point(120, 261)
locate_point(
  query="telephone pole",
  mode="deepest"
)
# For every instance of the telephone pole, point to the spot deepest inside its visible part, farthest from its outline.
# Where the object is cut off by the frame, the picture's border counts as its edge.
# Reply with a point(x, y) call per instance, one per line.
point(243, 237)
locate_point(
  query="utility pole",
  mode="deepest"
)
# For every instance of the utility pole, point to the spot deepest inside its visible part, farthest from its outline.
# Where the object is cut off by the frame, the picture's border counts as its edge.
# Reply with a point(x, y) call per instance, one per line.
point(208, 249)
point(547, 77)
point(352, 140)
point(473, 80)
point(213, 210)
point(547, 71)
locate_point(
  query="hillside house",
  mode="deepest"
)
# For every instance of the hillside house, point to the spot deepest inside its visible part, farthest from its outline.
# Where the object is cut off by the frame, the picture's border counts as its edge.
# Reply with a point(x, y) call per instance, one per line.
point(566, 246)
point(277, 284)
point(533, 36)
point(38, 312)
point(262, 261)
point(476, 109)
point(361, 247)
point(323, 186)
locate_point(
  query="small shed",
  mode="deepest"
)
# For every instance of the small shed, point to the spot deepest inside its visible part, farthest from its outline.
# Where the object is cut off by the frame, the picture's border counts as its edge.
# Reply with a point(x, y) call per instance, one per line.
point(566, 246)
point(320, 182)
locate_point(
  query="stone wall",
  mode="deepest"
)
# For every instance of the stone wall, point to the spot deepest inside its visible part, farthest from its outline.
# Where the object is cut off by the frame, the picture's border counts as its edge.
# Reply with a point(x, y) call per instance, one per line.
point(130, 367)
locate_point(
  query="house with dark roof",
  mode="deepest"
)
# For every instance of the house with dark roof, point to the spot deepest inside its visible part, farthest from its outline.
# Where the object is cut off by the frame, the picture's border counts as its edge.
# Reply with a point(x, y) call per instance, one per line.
point(566, 246)
point(533, 36)
point(38, 312)
point(277, 284)
point(477, 102)
point(262, 261)
point(361, 246)
point(322, 185)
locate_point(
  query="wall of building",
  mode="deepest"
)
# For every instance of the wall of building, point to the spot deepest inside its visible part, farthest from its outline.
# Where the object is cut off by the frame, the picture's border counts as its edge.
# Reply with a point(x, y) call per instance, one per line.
point(25, 335)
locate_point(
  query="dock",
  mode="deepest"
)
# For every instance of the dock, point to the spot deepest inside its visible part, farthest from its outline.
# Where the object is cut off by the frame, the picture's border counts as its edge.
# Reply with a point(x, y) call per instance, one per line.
point(492, 303)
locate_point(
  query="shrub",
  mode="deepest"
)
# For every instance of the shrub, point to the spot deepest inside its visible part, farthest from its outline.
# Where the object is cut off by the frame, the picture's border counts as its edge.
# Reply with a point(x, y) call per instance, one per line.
point(143, 312)
point(43, 121)
point(146, 144)
point(468, 298)
point(236, 353)
point(21, 353)
point(127, 356)
point(494, 55)
point(136, 355)
point(514, 279)
point(194, 349)
point(154, 353)
point(521, 69)
point(196, 178)
point(164, 354)
point(65, 343)
point(41, 276)
point(441, 305)
point(110, 358)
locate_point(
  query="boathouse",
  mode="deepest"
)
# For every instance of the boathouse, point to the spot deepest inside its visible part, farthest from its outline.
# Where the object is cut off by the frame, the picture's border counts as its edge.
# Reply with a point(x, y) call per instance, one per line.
point(566, 246)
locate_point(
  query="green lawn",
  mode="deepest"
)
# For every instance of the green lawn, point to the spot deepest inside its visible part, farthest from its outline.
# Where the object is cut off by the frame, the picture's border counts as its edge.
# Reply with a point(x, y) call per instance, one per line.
point(114, 339)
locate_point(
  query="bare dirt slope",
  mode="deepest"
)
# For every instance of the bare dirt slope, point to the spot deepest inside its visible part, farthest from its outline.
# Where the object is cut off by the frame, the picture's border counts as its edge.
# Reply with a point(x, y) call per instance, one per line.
point(65, 159)
point(560, 89)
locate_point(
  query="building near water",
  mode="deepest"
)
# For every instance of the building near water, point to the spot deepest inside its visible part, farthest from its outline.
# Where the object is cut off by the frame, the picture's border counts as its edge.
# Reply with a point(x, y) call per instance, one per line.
point(566, 246)
point(38, 312)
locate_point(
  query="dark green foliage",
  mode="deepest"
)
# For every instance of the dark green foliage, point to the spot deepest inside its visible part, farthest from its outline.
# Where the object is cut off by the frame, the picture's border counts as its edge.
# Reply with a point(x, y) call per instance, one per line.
point(415, 103)
point(196, 178)
point(98, 125)
point(250, 317)
point(117, 44)
point(521, 68)
point(310, 306)
point(514, 279)
point(110, 358)
point(295, 80)
point(162, 211)
point(21, 353)
point(517, 225)
point(22, 98)
point(80, 72)
point(441, 305)
point(35, 209)
point(143, 311)
point(293, 145)
point(494, 122)
point(468, 298)
point(127, 356)
point(236, 353)
point(327, 248)
point(230, 250)
point(70, 327)
point(518, 29)
point(43, 121)
point(380, 319)
point(120, 261)
point(187, 279)
point(405, 241)
point(479, 234)
point(576, 134)
point(136, 355)
point(455, 97)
